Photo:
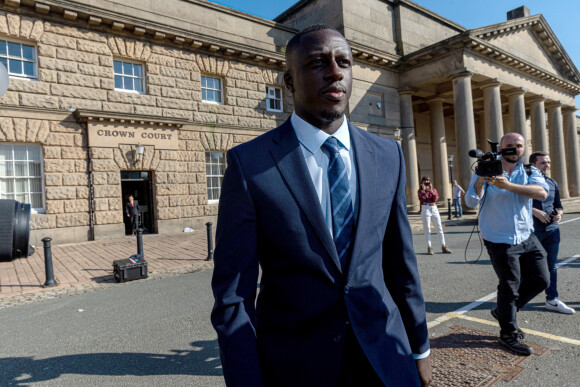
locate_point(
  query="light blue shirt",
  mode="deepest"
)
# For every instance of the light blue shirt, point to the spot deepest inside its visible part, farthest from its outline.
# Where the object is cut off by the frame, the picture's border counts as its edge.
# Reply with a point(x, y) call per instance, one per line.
point(311, 139)
point(505, 217)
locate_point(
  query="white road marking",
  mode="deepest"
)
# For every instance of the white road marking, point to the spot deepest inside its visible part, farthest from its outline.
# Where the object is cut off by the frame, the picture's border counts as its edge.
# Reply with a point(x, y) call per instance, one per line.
point(569, 220)
point(460, 313)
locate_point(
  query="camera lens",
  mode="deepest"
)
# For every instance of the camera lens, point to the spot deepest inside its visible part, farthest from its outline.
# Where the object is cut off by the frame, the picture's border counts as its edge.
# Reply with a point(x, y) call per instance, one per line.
point(14, 229)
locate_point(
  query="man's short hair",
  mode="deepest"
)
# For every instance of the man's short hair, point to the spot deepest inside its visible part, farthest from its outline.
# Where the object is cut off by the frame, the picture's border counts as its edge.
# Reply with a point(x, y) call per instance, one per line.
point(534, 156)
point(295, 41)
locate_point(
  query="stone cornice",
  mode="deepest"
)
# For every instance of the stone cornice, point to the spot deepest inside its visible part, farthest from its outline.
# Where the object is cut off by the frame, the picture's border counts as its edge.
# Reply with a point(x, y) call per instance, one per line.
point(93, 18)
point(466, 41)
point(84, 115)
point(374, 57)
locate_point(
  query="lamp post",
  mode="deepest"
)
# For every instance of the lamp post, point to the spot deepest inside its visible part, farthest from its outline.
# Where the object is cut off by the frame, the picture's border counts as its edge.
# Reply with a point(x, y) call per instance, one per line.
point(450, 161)
point(138, 152)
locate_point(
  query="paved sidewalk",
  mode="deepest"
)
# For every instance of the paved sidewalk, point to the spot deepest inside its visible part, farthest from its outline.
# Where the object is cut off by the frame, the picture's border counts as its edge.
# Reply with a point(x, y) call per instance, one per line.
point(87, 266)
point(92, 262)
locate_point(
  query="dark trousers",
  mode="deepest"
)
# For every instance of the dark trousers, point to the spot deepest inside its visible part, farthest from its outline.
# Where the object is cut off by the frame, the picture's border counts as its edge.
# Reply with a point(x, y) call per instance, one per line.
point(134, 223)
point(355, 369)
point(551, 242)
point(522, 272)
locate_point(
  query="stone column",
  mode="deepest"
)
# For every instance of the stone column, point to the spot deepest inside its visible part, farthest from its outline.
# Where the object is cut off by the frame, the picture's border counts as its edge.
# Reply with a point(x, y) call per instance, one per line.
point(571, 141)
point(464, 126)
point(492, 112)
point(409, 149)
point(517, 111)
point(439, 149)
point(538, 121)
point(557, 152)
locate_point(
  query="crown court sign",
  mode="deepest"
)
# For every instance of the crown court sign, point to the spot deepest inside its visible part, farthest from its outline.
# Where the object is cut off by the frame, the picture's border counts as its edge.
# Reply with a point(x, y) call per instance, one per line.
point(112, 134)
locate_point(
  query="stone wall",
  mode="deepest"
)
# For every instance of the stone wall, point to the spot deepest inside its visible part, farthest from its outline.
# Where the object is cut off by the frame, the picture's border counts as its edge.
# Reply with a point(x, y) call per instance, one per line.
point(75, 70)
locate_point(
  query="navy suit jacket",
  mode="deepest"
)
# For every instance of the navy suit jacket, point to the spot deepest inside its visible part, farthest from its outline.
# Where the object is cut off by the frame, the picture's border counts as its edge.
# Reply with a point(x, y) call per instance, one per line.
point(270, 216)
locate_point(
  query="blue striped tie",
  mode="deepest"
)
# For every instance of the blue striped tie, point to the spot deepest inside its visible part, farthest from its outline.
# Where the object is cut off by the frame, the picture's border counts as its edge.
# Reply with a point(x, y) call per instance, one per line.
point(340, 199)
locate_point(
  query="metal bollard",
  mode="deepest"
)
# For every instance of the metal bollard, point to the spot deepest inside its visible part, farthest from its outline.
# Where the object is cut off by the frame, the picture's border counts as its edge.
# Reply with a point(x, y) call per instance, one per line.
point(209, 242)
point(449, 209)
point(140, 242)
point(48, 263)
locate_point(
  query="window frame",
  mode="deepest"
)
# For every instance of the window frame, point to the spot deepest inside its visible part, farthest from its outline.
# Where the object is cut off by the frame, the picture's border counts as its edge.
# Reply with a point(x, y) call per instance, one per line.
point(8, 57)
point(35, 210)
point(210, 176)
point(220, 90)
point(268, 99)
point(123, 75)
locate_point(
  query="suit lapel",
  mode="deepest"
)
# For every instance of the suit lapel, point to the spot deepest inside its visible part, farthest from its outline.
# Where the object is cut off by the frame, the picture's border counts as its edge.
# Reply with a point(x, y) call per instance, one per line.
point(289, 158)
point(366, 170)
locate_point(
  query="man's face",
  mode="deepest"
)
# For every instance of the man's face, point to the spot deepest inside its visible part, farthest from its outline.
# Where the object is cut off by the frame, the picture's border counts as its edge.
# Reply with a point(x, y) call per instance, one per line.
point(319, 76)
point(513, 140)
point(543, 163)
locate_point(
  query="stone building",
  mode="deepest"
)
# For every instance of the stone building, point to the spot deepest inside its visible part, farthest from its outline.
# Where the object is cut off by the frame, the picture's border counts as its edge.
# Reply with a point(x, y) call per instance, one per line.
point(115, 97)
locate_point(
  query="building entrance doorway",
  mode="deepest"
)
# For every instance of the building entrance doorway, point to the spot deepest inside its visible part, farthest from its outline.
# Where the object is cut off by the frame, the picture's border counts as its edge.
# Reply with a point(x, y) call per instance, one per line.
point(140, 185)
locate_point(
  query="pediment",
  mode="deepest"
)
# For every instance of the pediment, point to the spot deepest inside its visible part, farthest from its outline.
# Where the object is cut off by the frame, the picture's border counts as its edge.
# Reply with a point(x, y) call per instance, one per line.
point(531, 40)
point(523, 44)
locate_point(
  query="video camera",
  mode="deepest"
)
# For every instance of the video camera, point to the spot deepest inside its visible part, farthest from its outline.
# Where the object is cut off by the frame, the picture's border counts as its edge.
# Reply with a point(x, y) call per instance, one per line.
point(487, 163)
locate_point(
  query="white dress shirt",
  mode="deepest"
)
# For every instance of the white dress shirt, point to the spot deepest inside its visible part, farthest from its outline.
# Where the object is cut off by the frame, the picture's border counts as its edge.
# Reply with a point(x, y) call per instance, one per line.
point(311, 139)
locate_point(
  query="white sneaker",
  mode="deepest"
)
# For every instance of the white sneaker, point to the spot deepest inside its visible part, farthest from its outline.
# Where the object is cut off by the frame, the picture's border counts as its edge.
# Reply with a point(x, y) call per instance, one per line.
point(556, 305)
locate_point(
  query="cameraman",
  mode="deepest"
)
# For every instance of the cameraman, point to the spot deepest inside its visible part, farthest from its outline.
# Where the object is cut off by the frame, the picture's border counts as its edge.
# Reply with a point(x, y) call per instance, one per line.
point(505, 222)
point(547, 213)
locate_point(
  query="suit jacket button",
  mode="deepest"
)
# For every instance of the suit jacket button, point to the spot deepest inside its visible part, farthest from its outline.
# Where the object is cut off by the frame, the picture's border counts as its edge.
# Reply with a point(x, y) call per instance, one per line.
point(337, 338)
point(346, 290)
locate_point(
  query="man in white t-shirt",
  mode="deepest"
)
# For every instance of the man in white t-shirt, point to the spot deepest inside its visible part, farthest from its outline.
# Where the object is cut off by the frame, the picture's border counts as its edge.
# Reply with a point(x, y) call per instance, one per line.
point(458, 192)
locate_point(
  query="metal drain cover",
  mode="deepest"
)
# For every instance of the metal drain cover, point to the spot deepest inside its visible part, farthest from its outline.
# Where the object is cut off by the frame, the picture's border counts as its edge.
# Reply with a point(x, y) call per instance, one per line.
point(467, 357)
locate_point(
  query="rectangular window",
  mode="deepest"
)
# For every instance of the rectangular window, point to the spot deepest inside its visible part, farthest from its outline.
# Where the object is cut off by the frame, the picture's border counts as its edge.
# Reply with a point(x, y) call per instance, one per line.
point(19, 59)
point(274, 99)
point(211, 89)
point(215, 166)
point(21, 174)
point(129, 77)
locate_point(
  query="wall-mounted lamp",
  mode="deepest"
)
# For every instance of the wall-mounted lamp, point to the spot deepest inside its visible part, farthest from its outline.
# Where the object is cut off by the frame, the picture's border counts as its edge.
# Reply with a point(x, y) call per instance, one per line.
point(397, 134)
point(138, 152)
point(450, 160)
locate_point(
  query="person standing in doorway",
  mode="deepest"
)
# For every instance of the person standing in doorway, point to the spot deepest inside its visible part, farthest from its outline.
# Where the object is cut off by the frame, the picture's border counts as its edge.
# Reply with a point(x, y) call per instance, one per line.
point(428, 198)
point(547, 213)
point(458, 193)
point(133, 212)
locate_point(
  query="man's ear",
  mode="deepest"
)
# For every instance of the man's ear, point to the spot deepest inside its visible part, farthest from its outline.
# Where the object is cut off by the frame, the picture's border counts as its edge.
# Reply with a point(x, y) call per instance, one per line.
point(289, 81)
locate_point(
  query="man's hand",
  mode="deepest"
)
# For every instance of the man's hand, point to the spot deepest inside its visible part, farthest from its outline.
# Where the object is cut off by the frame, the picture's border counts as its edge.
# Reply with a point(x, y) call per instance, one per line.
point(498, 181)
point(541, 215)
point(424, 369)
point(532, 191)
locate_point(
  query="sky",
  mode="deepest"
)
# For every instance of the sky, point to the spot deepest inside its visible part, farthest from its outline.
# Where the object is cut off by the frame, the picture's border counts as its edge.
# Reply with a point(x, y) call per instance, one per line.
point(561, 15)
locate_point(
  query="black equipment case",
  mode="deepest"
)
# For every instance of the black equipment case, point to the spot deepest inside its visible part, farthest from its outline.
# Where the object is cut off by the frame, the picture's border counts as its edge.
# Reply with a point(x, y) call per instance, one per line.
point(130, 269)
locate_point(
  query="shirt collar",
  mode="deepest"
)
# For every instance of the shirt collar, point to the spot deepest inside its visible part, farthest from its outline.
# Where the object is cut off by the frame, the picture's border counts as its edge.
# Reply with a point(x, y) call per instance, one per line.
point(312, 138)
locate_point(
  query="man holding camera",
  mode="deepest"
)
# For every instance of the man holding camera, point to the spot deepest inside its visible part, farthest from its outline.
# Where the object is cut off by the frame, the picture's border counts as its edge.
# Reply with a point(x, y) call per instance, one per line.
point(547, 213)
point(505, 222)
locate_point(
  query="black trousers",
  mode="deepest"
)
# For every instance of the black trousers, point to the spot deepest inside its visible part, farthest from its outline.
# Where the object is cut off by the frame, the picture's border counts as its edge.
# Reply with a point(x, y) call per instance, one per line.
point(523, 273)
point(355, 369)
point(134, 223)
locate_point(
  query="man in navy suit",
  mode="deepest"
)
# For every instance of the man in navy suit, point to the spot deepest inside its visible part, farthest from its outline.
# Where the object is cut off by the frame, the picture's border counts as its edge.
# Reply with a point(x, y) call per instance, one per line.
point(320, 206)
